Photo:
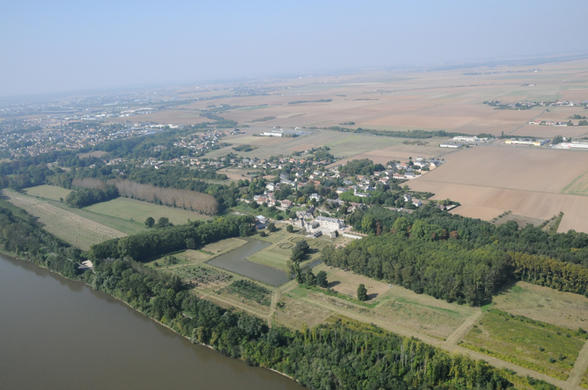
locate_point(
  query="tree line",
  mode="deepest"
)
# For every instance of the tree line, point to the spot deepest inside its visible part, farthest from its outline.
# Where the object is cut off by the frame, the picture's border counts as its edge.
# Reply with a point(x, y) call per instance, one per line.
point(154, 243)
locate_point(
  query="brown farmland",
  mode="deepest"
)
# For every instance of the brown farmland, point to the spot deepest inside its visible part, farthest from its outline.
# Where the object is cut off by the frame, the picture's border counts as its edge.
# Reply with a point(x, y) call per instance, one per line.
point(438, 99)
point(528, 181)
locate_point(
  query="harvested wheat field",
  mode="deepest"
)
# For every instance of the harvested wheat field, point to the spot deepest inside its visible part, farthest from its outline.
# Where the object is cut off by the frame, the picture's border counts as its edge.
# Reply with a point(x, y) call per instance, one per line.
point(528, 181)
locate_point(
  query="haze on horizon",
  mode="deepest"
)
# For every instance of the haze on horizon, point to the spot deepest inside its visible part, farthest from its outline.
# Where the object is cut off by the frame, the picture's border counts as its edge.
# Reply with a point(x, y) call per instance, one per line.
point(52, 47)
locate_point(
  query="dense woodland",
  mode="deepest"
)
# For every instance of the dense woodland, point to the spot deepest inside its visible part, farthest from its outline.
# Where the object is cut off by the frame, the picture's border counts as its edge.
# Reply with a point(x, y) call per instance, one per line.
point(431, 224)
point(337, 355)
point(460, 259)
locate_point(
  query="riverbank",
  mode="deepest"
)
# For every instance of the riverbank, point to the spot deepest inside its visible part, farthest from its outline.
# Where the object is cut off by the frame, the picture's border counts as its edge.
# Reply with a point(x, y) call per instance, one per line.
point(16, 257)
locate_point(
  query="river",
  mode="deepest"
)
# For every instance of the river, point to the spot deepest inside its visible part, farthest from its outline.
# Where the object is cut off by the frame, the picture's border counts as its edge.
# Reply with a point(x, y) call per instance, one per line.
point(60, 334)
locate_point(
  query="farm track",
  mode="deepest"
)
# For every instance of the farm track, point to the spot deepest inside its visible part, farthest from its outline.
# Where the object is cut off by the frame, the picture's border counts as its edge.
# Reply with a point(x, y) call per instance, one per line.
point(579, 369)
point(453, 348)
point(463, 329)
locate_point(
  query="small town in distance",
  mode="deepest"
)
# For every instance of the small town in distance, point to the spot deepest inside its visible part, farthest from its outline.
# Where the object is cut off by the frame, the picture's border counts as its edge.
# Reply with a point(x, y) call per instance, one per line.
point(286, 205)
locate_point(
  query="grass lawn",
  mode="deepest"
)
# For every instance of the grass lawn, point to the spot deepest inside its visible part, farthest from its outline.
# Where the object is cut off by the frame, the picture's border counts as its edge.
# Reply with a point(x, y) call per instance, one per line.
point(536, 345)
point(48, 192)
point(136, 211)
point(545, 304)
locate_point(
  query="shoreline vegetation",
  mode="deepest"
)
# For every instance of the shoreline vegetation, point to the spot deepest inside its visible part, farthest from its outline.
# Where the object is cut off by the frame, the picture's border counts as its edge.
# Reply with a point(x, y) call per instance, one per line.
point(338, 354)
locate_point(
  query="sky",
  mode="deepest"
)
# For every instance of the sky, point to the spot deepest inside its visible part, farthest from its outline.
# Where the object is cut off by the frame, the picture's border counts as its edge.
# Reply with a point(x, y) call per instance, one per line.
point(56, 46)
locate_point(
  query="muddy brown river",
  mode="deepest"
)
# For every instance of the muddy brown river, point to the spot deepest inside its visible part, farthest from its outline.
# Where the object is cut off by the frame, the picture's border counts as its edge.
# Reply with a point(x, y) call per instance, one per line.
point(59, 334)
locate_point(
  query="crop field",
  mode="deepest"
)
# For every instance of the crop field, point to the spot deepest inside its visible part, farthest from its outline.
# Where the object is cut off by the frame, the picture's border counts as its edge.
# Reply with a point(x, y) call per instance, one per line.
point(490, 180)
point(442, 99)
point(342, 145)
point(578, 186)
point(545, 304)
point(48, 192)
point(251, 291)
point(69, 226)
point(137, 211)
point(542, 347)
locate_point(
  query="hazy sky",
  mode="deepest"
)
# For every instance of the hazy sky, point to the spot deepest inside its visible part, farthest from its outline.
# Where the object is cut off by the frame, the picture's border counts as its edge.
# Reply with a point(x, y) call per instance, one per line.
point(51, 46)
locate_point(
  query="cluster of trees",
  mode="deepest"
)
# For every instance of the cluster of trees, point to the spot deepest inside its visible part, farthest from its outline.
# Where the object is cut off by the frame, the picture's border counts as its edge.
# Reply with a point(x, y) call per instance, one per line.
point(161, 222)
point(360, 167)
point(83, 197)
point(338, 355)
point(445, 270)
point(430, 223)
point(151, 244)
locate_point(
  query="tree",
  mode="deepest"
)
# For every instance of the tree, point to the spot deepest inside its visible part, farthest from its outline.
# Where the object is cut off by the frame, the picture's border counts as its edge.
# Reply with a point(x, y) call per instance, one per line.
point(272, 227)
point(149, 222)
point(163, 222)
point(321, 279)
point(362, 293)
point(290, 229)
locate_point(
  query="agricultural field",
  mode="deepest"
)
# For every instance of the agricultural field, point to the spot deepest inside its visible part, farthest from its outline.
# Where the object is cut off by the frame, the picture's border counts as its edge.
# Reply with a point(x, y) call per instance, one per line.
point(48, 192)
point(250, 291)
point(400, 100)
point(533, 344)
point(545, 304)
point(489, 180)
point(137, 211)
point(69, 226)
point(342, 145)
point(578, 186)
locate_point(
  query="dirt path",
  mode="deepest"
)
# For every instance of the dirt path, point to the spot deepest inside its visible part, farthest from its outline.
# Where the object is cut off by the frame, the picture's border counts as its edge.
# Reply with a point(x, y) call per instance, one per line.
point(275, 299)
point(234, 303)
point(579, 369)
point(463, 329)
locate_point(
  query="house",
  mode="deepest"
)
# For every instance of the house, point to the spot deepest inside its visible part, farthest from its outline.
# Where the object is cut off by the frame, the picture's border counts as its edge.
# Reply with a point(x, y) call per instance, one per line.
point(260, 222)
point(315, 196)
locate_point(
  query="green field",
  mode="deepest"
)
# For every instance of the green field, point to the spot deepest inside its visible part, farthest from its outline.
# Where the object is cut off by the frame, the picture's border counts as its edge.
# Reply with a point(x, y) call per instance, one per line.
point(536, 345)
point(48, 192)
point(136, 211)
point(198, 256)
point(68, 224)
point(545, 304)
